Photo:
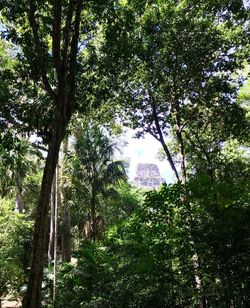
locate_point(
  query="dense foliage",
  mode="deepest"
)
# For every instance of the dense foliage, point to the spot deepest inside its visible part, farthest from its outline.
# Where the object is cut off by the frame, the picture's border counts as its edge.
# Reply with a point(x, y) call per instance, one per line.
point(147, 260)
point(72, 74)
point(15, 243)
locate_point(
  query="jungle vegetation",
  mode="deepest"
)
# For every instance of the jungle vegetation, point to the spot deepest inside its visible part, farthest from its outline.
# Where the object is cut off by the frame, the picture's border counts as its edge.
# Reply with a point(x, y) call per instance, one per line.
point(74, 230)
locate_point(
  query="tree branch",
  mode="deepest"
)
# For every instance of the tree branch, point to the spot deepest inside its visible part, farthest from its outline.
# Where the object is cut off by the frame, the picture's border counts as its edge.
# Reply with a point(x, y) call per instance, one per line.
point(161, 138)
point(56, 36)
point(38, 146)
point(66, 34)
point(39, 53)
point(72, 59)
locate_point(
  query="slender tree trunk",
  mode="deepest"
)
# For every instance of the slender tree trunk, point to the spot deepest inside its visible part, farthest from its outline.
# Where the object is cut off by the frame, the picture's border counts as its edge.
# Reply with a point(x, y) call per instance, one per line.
point(66, 236)
point(55, 234)
point(178, 131)
point(33, 295)
point(195, 258)
point(193, 241)
point(93, 214)
point(19, 202)
point(52, 251)
point(52, 222)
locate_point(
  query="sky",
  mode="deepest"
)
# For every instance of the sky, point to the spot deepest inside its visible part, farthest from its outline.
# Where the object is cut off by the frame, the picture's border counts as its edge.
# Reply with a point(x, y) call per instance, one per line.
point(144, 150)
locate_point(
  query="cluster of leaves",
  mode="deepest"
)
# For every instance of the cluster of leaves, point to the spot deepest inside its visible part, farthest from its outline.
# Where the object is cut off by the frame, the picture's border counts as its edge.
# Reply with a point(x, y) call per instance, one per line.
point(15, 242)
point(14, 161)
point(116, 210)
point(93, 173)
point(148, 260)
point(156, 43)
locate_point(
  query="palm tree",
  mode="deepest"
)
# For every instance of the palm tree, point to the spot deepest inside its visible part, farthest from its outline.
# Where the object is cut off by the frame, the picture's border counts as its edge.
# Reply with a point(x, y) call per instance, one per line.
point(95, 172)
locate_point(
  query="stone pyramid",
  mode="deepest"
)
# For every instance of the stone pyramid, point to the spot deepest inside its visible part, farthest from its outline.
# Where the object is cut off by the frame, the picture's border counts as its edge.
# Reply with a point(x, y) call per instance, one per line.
point(148, 176)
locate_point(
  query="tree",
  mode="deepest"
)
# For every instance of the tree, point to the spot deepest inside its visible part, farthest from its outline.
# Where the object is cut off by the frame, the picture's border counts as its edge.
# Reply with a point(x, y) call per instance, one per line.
point(17, 159)
point(15, 239)
point(159, 75)
point(48, 37)
point(66, 217)
point(95, 172)
point(146, 49)
point(146, 260)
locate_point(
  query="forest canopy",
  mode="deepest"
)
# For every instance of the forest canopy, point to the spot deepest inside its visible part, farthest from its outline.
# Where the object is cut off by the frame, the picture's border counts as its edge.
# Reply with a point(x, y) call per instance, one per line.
point(75, 231)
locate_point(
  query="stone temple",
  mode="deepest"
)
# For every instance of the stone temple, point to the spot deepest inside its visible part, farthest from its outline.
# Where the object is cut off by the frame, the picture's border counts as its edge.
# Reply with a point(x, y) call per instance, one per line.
point(148, 176)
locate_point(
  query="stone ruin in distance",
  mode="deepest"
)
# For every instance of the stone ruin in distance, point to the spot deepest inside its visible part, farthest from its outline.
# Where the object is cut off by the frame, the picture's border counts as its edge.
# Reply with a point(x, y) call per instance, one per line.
point(148, 176)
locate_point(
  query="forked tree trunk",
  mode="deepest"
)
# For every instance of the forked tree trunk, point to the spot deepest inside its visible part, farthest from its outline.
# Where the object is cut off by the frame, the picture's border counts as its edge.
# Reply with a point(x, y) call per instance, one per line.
point(33, 294)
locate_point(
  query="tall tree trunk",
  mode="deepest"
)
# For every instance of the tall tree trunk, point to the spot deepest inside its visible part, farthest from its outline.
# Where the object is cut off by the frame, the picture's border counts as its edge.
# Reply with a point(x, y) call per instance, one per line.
point(179, 134)
point(52, 251)
point(93, 213)
point(193, 241)
point(178, 131)
point(33, 294)
point(66, 236)
point(19, 202)
point(52, 222)
point(64, 60)
point(55, 234)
